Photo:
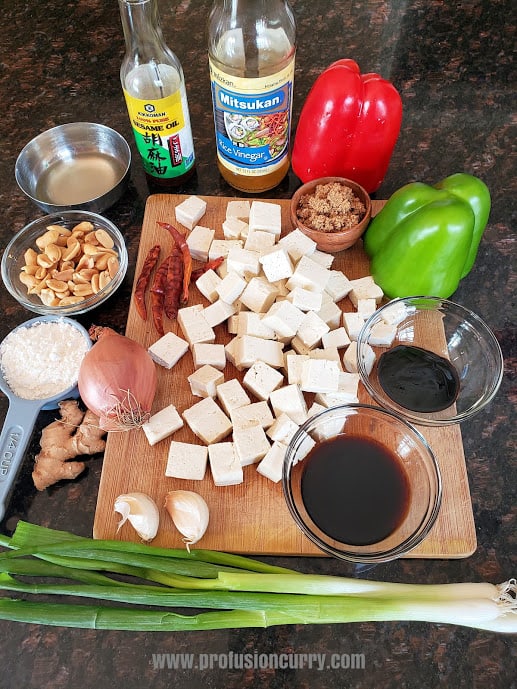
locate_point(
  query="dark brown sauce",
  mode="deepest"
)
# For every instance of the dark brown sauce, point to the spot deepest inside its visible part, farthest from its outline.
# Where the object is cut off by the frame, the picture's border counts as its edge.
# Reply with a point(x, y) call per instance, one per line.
point(418, 379)
point(354, 489)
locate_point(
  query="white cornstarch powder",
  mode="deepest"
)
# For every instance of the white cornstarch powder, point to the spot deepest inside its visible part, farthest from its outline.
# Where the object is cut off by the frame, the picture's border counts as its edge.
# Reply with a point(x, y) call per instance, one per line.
point(42, 360)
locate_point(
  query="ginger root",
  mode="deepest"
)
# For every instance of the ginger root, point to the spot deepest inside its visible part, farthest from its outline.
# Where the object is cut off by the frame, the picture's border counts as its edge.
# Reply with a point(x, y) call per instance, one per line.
point(75, 433)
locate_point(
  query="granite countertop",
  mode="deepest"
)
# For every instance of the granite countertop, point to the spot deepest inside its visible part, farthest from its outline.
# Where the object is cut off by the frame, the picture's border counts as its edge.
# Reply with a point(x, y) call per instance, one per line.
point(453, 66)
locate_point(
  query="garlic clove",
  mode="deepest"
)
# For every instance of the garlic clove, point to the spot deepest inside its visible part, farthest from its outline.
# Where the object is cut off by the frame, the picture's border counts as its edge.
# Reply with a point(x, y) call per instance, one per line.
point(190, 514)
point(141, 512)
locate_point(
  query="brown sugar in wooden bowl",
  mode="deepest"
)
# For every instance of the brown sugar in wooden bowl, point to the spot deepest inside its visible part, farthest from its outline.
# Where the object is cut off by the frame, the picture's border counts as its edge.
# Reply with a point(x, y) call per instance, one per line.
point(322, 215)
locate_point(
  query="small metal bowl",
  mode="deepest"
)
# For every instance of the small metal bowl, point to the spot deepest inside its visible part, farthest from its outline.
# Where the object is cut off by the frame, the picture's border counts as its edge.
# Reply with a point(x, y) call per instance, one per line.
point(14, 259)
point(332, 242)
point(75, 166)
point(447, 330)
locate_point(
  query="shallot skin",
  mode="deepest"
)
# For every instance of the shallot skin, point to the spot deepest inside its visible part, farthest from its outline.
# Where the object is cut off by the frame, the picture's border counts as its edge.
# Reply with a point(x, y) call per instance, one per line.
point(117, 380)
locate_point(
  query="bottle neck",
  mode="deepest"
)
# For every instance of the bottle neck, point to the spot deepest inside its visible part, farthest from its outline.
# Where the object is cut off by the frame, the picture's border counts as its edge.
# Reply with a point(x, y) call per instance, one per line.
point(141, 27)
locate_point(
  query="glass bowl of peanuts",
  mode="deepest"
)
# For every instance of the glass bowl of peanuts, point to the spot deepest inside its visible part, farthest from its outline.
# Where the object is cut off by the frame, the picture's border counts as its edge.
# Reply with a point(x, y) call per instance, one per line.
point(65, 263)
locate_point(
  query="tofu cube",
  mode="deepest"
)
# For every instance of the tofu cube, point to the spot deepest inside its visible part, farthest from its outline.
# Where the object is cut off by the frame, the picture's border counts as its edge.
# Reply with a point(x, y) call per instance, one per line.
point(259, 295)
point(199, 241)
point(243, 262)
point(265, 216)
point(324, 259)
point(305, 300)
point(311, 329)
point(338, 285)
point(284, 318)
point(168, 350)
point(256, 413)
point(224, 464)
point(332, 426)
point(366, 307)
point(207, 420)
point(395, 313)
point(231, 287)
point(368, 358)
point(232, 395)
point(204, 381)
point(271, 466)
point(261, 379)
point(194, 326)
point(330, 313)
point(319, 375)
point(336, 338)
point(289, 400)
point(204, 353)
point(329, 353)
point(249, 349)
point(186, 461)
point(365, 288)
point(218, 312)
point(234, 228)
point(294, 364)
point(251, 323)
point(259, 241)
point(382, 334)
point(310, 275)
point(276, 264)
point(162, 424)
point(251, 444)
point(207, 284)
point(346, 393)
point(353, 323)
point(221, 247)
point(238, 209)
point(350, 358)
point(190, 211)
point(282, 429)
point(298, 244)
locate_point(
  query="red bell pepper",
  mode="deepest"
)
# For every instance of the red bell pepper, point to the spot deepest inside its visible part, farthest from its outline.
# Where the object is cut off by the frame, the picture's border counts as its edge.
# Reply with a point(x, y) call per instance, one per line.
point(348, 126)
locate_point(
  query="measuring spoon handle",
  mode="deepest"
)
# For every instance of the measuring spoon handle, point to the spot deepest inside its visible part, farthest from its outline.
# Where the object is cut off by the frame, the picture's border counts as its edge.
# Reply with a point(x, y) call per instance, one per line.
point(16, 433)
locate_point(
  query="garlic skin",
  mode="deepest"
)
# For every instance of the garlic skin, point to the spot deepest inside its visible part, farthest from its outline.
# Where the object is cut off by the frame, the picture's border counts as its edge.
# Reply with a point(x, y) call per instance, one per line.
point(190, 514)
point(141, 512)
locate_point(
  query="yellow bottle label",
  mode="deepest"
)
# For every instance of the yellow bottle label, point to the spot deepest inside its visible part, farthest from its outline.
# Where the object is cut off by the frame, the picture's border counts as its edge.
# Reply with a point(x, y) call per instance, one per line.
point(252, 120)
point(162, 133)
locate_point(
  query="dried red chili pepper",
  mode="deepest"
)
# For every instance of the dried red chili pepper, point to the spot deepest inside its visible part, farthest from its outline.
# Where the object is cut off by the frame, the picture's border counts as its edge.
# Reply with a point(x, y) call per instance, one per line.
point(209, 265)
point(143, 281)
point(173, 283)
point(180, 241)
point(158, 294)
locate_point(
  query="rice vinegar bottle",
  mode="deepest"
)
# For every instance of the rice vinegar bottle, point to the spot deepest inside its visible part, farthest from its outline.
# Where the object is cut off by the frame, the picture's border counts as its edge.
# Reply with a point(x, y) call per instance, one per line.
point(251, 49)
point(154, 89)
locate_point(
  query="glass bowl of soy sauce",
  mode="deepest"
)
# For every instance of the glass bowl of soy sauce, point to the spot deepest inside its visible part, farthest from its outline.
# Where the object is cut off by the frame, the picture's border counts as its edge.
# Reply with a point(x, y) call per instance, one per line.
point(430, 360)
point(362, 483)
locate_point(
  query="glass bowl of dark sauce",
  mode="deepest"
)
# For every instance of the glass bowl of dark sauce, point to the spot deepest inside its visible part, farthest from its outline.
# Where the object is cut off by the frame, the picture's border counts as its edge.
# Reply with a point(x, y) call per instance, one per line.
point(436, 362)
point(362, 483)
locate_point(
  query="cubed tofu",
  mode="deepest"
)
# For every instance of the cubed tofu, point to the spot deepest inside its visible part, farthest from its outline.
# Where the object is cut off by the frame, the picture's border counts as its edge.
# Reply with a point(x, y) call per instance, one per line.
point(336, 338)
point(243, 262)
point(319, 375)
point(305, 300)
point(251, 415)
point(338, 285)
point(208, 421)
point(261, 379)
point(234, 228)
point(350, 358)
point(218, 312)
point(365, 288)
point(162, 424)
point(232, 395)
point(207, 284)
point(251, 323)
point(366, 307)
point(330, 427)
point(249, 349)
point(259, 295)
point(353, 323)
point(282, 429)
point(271, 466)
point(311, 329)
point(329, 353)
point(206, 353)
point(276, 264)
point(187, 461)
point(330, 313)
point(224, 464)
point(294, 366)
point(194, 326)
point(298, 244)
point(259, 241)
point(265, 216)
point(168, 350)
point(199, 241)
point(309, 275)
point(190, 211)
point(395, 313)
point(231, 287)
point(382, 334)
point(204, 381)
point(221, 247)
point(238, 209)
point(251, 444)
point(284, 318)
point(231, 350)
point(289, 400)
point(323, 258)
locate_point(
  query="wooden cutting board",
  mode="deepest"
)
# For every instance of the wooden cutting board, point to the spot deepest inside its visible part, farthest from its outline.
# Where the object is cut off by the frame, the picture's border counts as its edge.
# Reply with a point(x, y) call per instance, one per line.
point(251, 517)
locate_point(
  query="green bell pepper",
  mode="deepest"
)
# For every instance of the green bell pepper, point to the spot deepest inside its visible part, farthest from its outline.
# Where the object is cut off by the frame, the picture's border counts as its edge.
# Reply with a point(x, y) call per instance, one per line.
point(426, 238)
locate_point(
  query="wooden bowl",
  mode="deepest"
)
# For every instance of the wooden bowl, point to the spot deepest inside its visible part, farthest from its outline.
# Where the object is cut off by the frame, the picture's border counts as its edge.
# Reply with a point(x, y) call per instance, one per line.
point(332, 241)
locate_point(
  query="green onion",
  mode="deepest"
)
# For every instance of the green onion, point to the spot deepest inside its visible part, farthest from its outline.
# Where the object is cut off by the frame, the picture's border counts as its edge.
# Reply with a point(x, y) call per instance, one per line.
point(231, 591)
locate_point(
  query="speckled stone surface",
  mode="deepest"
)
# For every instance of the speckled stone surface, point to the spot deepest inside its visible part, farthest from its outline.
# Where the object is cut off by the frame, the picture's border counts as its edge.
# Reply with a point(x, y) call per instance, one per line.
point(453, 64)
